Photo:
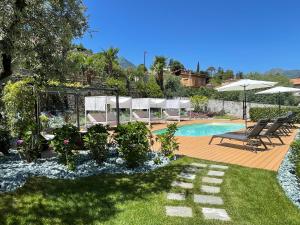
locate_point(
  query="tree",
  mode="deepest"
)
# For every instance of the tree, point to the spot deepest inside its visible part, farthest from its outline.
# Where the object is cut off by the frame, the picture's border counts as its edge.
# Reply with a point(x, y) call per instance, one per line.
point(111, 61)
point(211, 70)
point(175, 66)
point(158, 67)
point(37, 34)
point(173, 87)
point(198, 68)
point(239, 75)
point(228, 74)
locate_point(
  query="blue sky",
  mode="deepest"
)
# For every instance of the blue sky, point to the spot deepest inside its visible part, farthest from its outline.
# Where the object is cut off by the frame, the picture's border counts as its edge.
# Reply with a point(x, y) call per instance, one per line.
point(243, 35)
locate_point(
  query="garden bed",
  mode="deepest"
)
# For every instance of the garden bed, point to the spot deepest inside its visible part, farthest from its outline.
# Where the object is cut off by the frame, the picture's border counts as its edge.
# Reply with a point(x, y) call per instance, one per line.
point(15, 172)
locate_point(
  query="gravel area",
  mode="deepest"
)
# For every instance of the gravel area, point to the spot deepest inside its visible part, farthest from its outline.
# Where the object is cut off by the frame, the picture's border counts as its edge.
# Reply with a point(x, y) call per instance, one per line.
point(288, 179)
point(14, 171)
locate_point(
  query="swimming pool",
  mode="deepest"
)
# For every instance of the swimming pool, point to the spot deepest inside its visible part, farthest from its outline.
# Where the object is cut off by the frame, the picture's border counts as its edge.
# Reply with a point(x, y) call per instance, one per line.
point(204, 129)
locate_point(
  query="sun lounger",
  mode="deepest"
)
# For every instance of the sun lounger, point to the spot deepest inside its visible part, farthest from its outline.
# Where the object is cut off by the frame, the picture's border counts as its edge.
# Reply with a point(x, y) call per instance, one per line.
point(100, 118)
point(143, 116)
point(251, 137)
point(273, 130)
point(174, 115)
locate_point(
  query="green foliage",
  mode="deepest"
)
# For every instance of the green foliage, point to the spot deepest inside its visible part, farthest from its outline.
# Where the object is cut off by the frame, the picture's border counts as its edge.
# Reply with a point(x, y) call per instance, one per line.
point(173, 87)
point(4, 140)
point(257, 113)
point(149, 89)
point(19, 101)
point(133, 142)
point(295, 156)
point(117, 83)
point(175, 66)
point(65, 140)
point(158, 66)
point(198, 102)
point(96, 141)
point(168, 141)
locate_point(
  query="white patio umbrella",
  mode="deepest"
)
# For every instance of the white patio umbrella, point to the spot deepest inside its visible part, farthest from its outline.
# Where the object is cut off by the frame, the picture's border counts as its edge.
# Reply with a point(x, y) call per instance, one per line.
point(245, 85)
point(278, 90)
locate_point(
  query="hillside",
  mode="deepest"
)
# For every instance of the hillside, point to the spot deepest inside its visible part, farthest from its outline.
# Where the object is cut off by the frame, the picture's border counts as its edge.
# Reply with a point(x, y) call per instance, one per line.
point(288, 73)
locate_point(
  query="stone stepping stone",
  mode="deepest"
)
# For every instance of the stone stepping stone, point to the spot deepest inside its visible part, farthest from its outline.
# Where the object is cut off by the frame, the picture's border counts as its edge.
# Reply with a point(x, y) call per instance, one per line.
point(215, 214)
point(182, 184)
point(190, 169)
point(180, 211)
point(187, 176)
point(199, 165)
point(219, 167)
point(210, 189)
point(208, 199)
point(211, 180)
point(176, 196)
point(215, 173)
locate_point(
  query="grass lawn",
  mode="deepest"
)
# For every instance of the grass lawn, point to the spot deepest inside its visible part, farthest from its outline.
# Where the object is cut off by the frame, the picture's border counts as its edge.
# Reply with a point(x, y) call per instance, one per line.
point(251, 197)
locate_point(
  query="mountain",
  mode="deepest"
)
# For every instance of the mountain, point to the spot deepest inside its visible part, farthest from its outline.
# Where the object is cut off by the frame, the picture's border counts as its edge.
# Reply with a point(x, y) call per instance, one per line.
point(124, 63)
point(288, 73)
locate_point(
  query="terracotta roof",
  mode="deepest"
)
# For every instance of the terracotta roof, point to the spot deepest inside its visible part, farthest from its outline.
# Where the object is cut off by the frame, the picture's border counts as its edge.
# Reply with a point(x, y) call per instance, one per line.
point(295, 81)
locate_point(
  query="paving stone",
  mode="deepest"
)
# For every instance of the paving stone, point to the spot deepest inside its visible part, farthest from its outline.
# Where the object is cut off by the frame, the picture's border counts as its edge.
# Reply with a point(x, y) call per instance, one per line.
point(188, 176)
point(215, 214)
point(176, 196)
point(199, 165)
point(219, 167)
point(208, 199)
point(180, 211)
point(211, 180)
point(182, 184)
point(210, 189)
point(191, 169)
point(215, 173)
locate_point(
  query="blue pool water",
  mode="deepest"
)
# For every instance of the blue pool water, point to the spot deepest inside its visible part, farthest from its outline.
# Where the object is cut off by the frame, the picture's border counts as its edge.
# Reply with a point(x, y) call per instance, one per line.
point(205, 129)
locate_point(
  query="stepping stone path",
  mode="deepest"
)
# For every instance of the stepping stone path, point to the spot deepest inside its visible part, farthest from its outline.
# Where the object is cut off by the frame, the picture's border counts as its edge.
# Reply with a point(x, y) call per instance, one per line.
point(215, 214)
point(188, 176)
point(215, 173)
point(219, 167)
point(211, 180)
point(206, 199)
point(182, 184)
point(176, 196)
point(210, 189)
point(180, 211)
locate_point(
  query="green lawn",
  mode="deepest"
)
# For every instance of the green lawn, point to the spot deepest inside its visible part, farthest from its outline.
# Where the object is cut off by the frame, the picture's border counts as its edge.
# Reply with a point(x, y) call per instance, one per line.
point(251, 197)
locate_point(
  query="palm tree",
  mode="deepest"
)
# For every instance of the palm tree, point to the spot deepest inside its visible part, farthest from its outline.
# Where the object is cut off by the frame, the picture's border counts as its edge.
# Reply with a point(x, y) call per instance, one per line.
point(158, 67)
point(110, 59)
point(211, 70)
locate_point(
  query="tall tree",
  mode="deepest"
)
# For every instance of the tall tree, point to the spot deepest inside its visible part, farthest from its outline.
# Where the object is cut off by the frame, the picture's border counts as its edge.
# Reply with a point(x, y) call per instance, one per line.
point(111, 61)
point(158, 67)
point(175, 66)
point(198, 68)
point(211, 70)
point(38, 33)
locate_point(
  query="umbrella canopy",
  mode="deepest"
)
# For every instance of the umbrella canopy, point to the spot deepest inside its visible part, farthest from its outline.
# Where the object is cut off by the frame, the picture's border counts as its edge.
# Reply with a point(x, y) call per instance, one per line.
point(279, 89)
point(246, 84)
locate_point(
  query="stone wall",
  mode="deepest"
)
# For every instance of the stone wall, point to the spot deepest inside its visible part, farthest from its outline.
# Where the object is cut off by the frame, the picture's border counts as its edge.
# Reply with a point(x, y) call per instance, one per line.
point(233, 108)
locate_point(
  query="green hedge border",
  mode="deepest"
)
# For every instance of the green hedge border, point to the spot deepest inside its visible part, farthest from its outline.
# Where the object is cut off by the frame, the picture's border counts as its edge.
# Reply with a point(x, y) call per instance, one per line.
point(257, 113)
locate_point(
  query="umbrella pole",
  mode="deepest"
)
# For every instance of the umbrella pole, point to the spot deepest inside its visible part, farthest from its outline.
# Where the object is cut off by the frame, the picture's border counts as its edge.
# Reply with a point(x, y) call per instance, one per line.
point(279, 102)
point(245, 108)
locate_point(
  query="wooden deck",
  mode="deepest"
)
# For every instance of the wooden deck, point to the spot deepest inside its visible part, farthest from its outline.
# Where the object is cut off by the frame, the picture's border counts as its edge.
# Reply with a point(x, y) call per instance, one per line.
point(232, 152)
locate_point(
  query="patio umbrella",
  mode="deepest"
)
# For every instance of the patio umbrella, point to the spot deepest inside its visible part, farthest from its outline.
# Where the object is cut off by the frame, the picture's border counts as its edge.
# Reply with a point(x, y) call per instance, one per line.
point(278, 90)
point(245, 85)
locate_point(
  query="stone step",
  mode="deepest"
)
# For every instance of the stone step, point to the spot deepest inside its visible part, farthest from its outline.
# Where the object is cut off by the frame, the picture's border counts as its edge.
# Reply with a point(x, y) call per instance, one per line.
point(180, 211)
point(188, 176)
point(211, 180)
point(191, 169)
point(219, 167)
point(199, 165)
point(208, 199)
point(176, 196)
point(182, 184)
point(215, 173)
point(215, 214)
point(210, 189)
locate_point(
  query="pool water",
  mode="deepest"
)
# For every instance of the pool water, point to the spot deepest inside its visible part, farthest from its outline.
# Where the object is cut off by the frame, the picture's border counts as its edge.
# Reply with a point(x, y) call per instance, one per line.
point(205, 129)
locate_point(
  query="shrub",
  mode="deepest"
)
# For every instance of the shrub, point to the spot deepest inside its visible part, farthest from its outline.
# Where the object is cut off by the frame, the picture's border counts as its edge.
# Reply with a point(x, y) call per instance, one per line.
point(168, 141)
point(199, 102)
point(133, 142)
point(257, 113)
point(296, 156)
point(4, 141)
point(64, 142)
point(96, 141)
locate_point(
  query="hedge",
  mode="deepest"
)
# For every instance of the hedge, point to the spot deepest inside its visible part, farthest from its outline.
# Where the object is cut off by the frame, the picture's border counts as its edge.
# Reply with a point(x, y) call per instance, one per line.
point(257, 113)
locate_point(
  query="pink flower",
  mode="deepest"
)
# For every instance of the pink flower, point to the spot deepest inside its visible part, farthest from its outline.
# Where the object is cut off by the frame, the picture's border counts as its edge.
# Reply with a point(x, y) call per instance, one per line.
point(66, 142)
point(20, 142)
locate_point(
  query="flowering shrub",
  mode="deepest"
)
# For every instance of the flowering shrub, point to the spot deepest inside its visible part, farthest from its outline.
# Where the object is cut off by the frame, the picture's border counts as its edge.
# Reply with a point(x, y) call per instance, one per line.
point(96, 141)
point(168, 141)
point(64, 142)
point(133, 141)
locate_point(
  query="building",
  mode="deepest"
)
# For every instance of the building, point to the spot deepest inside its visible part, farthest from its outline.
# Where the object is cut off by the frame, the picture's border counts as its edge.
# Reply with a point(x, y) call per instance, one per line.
point(295, 82)
point(195, 80)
